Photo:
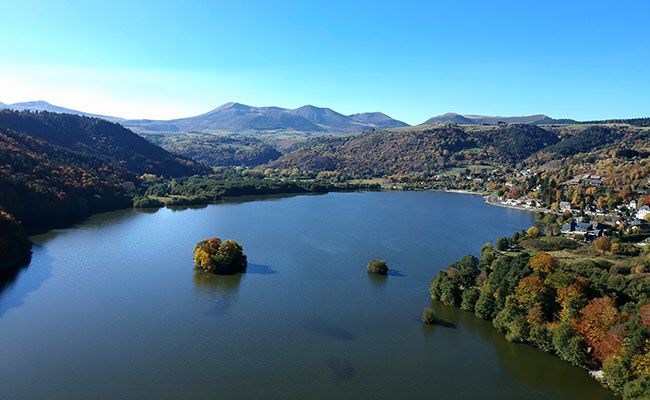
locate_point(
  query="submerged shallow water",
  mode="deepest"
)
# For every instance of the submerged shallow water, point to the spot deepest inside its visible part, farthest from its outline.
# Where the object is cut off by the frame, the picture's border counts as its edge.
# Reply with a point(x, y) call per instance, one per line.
point(112, 308)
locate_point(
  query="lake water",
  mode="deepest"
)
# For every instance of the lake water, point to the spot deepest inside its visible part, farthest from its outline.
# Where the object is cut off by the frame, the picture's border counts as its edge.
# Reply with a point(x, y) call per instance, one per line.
point(112, 308)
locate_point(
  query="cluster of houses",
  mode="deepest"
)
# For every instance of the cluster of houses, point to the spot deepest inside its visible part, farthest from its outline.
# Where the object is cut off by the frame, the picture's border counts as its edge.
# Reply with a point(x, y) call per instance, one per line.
point(583, 230)
point(586, 230)
point(520, 203)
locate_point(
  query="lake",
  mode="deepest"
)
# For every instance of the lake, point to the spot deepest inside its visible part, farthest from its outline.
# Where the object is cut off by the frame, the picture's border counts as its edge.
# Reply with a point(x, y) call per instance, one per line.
point(113, 309)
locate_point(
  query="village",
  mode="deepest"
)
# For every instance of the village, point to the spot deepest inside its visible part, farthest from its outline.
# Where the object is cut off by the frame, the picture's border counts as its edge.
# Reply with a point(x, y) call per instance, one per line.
point(591, 221)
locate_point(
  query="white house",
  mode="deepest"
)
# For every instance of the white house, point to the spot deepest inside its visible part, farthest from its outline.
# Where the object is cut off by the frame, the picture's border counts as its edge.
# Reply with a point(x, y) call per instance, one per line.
point(643, 211)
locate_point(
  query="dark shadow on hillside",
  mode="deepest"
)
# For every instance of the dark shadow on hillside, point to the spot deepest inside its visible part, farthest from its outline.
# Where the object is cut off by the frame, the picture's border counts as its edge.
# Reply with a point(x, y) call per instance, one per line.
point(324, 328)
point(260, 269)
point(18, 283)
point(341, 369)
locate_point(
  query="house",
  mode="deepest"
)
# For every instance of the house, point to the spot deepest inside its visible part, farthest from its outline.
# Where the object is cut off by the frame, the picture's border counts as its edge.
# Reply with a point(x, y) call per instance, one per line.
point(565, 206)
point(631, 205)
point(643, 211)
point(582, 229)
point(638, 226)
point(594, 211)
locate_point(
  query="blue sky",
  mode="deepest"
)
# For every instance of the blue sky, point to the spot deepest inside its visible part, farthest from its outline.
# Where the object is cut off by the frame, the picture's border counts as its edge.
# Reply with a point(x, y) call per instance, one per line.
point(409, 59)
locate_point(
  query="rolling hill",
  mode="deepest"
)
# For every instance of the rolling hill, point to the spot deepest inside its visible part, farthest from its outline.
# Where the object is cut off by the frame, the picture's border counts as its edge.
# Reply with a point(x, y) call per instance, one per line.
point(216, 150)
point(422, 150)
point(41, 105)
point(454, 118)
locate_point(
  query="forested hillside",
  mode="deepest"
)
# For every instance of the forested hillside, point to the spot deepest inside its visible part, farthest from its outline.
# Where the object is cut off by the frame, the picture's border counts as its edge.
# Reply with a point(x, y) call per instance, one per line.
point(417, 150)
point(110, 142)
point(14, 245)
point(44, 184)
point(216, 150)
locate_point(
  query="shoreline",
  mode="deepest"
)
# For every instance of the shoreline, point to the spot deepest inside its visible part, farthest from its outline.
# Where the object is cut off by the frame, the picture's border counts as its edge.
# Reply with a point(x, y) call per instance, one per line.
point(521, 208)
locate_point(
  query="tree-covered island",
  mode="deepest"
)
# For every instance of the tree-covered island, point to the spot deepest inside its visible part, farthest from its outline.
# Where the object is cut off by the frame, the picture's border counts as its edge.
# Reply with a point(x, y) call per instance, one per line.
point(223, 258)
point(377, 266)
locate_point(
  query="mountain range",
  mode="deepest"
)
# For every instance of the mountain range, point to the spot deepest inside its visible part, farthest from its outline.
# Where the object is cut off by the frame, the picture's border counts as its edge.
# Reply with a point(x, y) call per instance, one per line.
point(238, 118)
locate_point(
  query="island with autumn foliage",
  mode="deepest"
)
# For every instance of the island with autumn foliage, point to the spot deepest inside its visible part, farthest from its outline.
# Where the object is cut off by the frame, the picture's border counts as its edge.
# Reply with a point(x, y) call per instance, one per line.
point(219, 257)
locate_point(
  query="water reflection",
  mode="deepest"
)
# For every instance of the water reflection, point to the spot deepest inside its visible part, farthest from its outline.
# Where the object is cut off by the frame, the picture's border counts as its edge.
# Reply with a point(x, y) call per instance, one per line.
point(152, 210)
point(223, 290)
point(224, 284)
point(516, 357)
point(324, 328)
point(188, 207)
point(341, 369)
point(17, 284)
point(377, 279)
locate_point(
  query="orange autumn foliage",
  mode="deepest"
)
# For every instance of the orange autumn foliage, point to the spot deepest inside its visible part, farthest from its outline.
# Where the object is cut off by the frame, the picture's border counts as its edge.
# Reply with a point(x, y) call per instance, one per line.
point(600, 326)
point(543, 263)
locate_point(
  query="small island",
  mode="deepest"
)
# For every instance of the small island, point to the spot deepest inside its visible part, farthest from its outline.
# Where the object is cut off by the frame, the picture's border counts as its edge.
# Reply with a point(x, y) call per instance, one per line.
point(429, 316)
point(378, 267)
point(223, 258)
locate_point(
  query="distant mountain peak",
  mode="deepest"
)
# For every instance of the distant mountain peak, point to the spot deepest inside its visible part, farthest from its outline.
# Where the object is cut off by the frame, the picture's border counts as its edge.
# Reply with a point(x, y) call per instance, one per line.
point(232, 105)
point(35, 103)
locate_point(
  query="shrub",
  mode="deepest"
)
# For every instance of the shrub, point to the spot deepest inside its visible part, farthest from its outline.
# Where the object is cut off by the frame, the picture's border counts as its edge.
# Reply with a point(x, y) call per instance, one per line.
point(615, 373)
point(378, 267)
point(147, 202)
point(532, 232)
point(429, 316)
point(469, 298)
point(503, 243)
point(602, 244)
point(637, 389)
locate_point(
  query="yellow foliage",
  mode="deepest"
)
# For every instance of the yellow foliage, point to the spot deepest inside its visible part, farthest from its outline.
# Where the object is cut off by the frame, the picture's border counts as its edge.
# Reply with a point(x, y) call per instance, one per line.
point(543, 263)
point(641, 362)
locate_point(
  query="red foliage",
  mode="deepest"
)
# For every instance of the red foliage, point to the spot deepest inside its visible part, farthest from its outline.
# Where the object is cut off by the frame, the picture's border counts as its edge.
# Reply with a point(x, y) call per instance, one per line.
point(644, 312)
point(600, 326)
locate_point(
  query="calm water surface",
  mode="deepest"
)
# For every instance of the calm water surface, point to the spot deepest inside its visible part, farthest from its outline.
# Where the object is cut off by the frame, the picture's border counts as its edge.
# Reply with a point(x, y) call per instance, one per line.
point(112, 308)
